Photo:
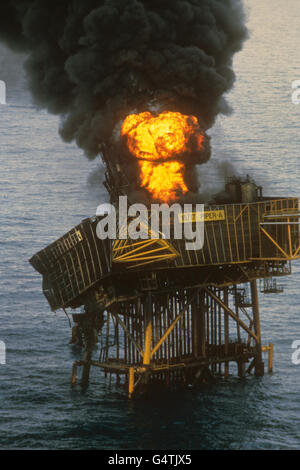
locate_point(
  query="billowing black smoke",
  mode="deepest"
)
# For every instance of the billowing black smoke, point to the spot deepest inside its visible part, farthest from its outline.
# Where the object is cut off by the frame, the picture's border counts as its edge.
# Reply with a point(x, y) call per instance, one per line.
point(95, 61)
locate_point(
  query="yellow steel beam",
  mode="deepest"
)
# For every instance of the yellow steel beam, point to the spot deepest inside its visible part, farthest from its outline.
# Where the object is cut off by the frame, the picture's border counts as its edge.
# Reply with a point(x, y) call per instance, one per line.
point(132, 255)
point(130, 245)
point(290, 238)
point(148, 336)
point(144, 256)
point(147, 252)
point(249, 227)
point(241, 212)
point(168, 245)
point(144, 245)
point(297, 251)
point(152, 260)
point(274, 241)
point(236, 237)
point(131, 382)
point(270, 350)
point(228, 234)
point(115, 245)
point(288, 256)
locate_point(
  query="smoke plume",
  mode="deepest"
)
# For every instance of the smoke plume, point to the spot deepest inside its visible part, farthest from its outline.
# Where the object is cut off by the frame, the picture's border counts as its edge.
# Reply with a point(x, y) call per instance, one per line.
point(93, 62)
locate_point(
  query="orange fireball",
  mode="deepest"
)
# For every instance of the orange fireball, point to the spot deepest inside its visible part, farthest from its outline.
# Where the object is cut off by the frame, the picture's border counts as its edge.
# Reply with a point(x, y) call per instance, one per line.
point(160, 143)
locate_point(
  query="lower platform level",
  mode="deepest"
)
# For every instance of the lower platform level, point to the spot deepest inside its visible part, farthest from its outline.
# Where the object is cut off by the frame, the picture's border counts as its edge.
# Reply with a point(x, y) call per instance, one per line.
point(185, 336)
point(187, 372)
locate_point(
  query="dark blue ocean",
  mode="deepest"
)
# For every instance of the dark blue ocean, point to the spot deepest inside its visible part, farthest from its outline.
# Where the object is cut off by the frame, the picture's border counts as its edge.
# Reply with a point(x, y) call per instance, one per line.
point(47, 187)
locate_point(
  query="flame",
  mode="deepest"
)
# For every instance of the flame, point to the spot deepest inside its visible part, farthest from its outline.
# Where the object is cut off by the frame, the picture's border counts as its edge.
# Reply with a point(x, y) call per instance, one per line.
point(160, 143)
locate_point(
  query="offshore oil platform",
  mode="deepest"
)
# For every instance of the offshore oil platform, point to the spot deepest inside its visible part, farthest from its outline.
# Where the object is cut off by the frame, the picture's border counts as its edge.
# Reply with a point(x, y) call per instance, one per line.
point(161, 313)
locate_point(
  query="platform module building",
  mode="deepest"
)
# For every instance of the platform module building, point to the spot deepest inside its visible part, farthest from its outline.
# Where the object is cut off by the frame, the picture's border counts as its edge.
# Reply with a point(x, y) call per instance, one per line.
point(162, 313)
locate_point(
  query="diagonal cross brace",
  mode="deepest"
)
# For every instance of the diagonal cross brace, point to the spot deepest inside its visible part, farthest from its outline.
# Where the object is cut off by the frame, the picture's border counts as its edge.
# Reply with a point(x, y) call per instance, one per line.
point(138, 347)
point(171, 327)
point(230, 312)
